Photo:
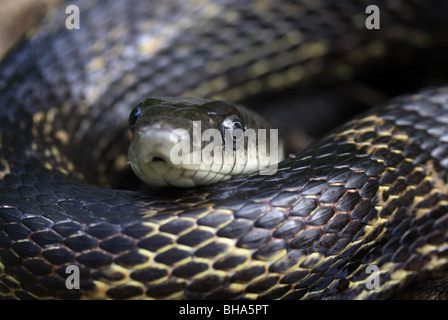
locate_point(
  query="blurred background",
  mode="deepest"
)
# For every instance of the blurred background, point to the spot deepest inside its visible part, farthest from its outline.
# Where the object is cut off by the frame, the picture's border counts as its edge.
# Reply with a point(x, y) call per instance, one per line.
point(17, 16)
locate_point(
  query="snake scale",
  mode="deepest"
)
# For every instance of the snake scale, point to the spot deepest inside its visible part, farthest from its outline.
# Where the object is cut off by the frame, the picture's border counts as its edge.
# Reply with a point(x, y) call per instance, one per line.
point(374, 192)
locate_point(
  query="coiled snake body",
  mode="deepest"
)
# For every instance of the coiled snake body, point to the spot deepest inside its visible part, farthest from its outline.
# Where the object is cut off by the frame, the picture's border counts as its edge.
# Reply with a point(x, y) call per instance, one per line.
point(371, 194)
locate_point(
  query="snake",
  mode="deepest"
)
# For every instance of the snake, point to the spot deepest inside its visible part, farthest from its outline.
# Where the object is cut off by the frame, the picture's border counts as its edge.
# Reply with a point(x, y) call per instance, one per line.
point(370, 195)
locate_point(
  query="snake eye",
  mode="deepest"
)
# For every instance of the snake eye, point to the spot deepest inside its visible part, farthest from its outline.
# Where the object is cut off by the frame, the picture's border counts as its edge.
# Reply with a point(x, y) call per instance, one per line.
point(135, 114)
point(234, 126)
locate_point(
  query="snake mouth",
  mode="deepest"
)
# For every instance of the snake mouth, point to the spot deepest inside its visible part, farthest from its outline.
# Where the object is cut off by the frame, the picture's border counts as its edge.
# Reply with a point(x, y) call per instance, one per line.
point(151, 159)
point(158, 159)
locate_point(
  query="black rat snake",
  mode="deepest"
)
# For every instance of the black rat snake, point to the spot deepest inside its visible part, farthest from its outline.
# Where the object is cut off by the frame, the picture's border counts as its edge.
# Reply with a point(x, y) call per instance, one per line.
point(371, 194)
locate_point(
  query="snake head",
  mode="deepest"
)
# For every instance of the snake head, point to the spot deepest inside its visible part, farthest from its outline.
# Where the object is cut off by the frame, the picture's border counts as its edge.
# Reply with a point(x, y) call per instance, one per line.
point(186, 142)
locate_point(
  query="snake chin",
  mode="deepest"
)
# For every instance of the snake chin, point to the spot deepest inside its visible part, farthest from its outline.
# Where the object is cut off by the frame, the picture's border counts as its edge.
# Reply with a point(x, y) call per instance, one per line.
point(151, 160)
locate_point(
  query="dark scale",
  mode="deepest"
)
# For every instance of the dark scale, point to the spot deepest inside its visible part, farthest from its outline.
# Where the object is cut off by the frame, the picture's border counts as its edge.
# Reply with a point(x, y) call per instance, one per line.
point(195, 237)
point(26, 249)
point(155, 243)
point(171, 256)
point(190, 269)
point(164, 290)
point(46, 238)
point(124, 292)
point(94, 259)
point(117, 244)
point(229, 262)
point(206, 284)
point(270, 250)
point(254, 239)
point(80, 243)
point(148, 275)
point(131, 258)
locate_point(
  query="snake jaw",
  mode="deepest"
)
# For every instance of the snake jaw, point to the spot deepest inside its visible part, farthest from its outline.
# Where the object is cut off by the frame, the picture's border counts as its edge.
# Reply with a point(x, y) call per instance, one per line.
point(149, 156)
point(151, 159)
